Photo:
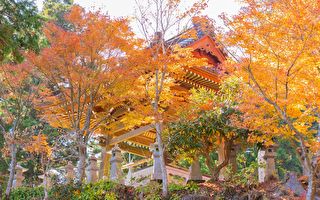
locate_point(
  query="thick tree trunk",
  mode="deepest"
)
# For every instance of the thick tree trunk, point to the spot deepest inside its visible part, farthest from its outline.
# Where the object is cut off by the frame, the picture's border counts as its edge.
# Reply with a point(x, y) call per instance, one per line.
point(162, 160)
point(216, 170)
point(82, 162)
point(227, 149)
point(209, 164)
point(13, 163)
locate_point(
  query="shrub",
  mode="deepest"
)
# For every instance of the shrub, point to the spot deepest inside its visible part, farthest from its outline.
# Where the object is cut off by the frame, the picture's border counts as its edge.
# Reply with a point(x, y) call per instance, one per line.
point(63, 192)
point(151, 191)
point(247, 172)
point(105, 190)
point(26, 193)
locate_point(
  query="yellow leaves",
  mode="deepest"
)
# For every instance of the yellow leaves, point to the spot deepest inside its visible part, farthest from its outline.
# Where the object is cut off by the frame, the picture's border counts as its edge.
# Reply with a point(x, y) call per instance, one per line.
point(277, 43)
point(39, 145)
point(314, 146)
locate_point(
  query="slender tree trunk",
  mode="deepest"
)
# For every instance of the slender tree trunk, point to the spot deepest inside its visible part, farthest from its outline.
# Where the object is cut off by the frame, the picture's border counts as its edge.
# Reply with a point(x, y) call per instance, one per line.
point(162, 160)
point(312, 183)
point(82, 161)
point(13, 163)
point(102, 164)
point(45, 186)
point(311, 191)
point(0, 191)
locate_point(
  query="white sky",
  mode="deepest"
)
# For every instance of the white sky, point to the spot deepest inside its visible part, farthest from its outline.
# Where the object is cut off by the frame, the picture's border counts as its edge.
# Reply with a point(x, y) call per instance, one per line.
point(118, 8)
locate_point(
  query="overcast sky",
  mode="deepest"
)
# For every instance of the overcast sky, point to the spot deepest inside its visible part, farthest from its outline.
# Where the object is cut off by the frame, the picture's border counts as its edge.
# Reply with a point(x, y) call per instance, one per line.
point(118, 8)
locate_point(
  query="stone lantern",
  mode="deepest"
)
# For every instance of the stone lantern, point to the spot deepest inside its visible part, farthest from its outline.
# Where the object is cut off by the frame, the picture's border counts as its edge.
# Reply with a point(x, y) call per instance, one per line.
point(92, 170)
point(156, 172)
point(116, 162)
point(19, 177)
point(266, 159)
point(194, 171)
point(70, 173)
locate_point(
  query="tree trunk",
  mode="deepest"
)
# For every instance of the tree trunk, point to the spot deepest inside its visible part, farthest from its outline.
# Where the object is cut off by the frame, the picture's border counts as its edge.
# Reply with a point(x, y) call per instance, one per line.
point(162, 160)
point(13, 163)
point(0, 191)
point(216, 170)
point(209, 162)
point(312, 183)
point(103, 162)
point(45, 186)
point(227, 151)
point(82, 162)
point(311, 191)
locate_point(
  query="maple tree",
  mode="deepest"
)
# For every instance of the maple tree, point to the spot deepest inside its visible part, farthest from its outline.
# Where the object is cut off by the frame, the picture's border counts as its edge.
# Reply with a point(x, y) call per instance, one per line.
point(166, 59)
point(277, 47)
point(17, 94)
point(85, 69)
point(39, 145)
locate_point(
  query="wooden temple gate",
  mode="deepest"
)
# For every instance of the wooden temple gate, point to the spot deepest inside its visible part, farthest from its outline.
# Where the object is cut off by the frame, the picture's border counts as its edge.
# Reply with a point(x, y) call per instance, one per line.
point(142, 140)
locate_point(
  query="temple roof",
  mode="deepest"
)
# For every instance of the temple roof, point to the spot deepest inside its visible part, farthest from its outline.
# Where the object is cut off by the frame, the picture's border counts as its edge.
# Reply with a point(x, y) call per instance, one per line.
point(138, 140)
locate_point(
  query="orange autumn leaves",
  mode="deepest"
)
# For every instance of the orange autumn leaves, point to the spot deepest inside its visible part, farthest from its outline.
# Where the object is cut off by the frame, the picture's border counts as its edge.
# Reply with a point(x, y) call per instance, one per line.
point(278, 58)
point(90, 66)
point(15, 86)
point(39, 145)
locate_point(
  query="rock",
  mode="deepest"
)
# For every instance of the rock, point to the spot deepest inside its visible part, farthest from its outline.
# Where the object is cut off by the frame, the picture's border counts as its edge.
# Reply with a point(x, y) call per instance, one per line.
point(294, 184)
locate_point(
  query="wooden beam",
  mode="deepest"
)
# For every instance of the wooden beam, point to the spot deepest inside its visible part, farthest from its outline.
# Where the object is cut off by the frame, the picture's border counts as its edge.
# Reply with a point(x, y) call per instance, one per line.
point(117, 127)
point(135, 150)
point(131, 134)
point(136, 163)
point(141, 140)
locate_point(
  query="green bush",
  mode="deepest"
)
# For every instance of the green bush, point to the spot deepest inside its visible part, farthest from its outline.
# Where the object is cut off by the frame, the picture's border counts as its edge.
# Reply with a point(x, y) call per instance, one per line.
point(105, 190)
point(63, 192)
point(247, 172)
point(151, 191)
point(26, 193)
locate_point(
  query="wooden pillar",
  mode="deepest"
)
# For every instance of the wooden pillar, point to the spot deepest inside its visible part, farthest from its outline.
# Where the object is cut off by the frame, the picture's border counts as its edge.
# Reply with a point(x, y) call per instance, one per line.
point(104, 168)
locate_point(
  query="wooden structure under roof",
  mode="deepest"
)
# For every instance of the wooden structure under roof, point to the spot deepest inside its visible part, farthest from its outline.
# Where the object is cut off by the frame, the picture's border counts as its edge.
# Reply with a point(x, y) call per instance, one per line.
point(138, 141)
